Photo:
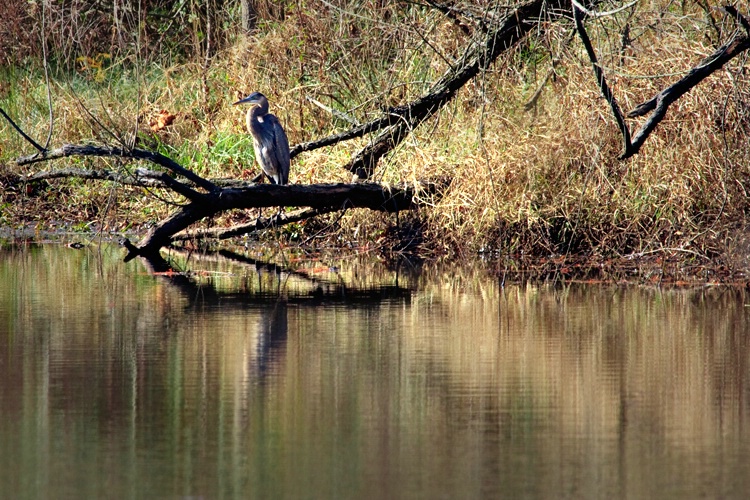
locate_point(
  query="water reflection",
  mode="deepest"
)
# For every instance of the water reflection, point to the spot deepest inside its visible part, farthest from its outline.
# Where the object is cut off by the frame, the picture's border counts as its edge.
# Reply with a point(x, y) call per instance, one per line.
point(248, 381)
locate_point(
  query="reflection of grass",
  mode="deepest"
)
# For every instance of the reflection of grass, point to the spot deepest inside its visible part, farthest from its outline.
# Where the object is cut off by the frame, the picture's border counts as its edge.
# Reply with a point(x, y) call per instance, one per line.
point(528, 386)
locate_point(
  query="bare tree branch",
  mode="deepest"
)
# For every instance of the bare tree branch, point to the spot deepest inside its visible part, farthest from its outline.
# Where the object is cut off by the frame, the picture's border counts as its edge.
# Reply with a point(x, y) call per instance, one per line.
point(135, 153)
point(661, 101)
point(601, 80)
point(21, 132)
point(353, 133)
point(140, 178)
point(258, 224)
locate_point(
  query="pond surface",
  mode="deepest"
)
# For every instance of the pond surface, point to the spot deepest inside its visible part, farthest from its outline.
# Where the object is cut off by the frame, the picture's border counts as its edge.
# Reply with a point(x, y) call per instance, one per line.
point(358, 381)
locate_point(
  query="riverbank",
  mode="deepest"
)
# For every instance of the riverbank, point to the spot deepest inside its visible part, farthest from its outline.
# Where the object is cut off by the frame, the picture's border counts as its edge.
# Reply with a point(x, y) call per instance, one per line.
point(528, 151)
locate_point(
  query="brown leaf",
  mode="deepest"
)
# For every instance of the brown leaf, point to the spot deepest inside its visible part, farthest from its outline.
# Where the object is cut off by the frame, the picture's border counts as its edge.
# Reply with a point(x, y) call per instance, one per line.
point(162, 119)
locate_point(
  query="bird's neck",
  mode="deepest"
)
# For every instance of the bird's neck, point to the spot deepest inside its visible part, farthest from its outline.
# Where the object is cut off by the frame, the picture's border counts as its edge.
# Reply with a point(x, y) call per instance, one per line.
point(255, 113)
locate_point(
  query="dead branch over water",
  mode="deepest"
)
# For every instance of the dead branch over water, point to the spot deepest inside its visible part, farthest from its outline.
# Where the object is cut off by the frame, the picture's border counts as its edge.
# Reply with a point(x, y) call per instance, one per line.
point(207, 199)
point(320, 198)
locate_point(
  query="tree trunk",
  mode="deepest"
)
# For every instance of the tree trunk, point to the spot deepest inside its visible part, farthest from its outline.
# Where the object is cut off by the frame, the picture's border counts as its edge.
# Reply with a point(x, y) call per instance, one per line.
point(248, 16)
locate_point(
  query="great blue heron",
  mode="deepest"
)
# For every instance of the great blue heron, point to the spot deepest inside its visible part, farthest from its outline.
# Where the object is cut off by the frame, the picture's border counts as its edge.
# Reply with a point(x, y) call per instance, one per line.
point(269, 139)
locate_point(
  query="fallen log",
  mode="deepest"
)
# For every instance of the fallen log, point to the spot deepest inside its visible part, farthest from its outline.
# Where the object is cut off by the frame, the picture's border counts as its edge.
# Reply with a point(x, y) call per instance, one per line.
point(322, 197)
point(315, 199)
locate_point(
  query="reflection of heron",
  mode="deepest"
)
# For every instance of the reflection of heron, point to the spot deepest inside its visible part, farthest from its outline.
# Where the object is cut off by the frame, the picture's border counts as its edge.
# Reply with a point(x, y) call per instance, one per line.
point(269, 139)
point(272, 334)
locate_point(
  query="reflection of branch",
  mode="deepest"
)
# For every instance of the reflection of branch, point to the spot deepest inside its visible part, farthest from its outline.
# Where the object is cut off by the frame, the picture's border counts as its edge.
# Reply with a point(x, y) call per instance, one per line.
point(320, 289)
point(273, 267)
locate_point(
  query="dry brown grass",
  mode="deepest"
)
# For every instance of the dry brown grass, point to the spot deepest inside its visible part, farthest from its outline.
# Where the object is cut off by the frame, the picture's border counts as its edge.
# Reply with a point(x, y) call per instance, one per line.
point(539, 182)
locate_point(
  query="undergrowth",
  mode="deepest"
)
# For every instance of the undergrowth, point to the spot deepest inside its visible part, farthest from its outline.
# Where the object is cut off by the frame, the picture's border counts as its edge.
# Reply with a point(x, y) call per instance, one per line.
point(522, 178)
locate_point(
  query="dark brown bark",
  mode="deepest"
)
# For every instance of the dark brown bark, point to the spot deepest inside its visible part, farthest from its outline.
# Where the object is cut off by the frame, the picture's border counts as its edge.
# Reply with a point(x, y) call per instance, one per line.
point(325, 197)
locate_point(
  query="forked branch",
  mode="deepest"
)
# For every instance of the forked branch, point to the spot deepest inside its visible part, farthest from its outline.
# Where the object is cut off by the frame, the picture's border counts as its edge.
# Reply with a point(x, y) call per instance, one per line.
point(659, 104)
point(68, 150)
point(600, 79)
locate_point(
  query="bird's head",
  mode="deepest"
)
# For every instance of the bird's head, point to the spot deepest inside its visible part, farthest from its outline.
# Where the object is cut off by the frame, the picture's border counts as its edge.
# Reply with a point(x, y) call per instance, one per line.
point(256, 98)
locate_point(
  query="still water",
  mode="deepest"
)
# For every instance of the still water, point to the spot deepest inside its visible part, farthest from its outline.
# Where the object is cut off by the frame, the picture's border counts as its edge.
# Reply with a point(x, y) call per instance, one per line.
point(362, 381)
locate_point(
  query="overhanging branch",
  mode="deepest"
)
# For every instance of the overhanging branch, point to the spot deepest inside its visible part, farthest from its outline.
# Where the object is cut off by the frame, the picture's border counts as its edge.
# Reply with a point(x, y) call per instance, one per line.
point(68, 150)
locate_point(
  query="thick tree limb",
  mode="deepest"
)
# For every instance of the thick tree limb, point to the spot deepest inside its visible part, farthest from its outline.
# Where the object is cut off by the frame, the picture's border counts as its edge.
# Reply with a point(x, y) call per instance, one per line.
point(322, 197)
point(359, 195)
point(400, 121)
point(160, 235)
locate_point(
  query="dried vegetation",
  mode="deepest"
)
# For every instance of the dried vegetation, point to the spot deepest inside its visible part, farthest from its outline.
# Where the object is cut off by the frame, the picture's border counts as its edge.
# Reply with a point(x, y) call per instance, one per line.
point(530, 147)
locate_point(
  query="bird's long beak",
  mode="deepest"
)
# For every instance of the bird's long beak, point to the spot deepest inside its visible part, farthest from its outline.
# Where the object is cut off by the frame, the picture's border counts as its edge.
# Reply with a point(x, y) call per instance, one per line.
point(246, 100)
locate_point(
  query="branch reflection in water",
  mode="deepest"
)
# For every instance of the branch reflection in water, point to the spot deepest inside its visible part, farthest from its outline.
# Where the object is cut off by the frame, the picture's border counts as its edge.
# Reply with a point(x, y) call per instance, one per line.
point(284, 382)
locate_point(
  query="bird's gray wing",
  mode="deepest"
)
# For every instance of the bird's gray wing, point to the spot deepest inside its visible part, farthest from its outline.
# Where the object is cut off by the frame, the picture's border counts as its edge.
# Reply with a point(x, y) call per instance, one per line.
point(280, 149)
